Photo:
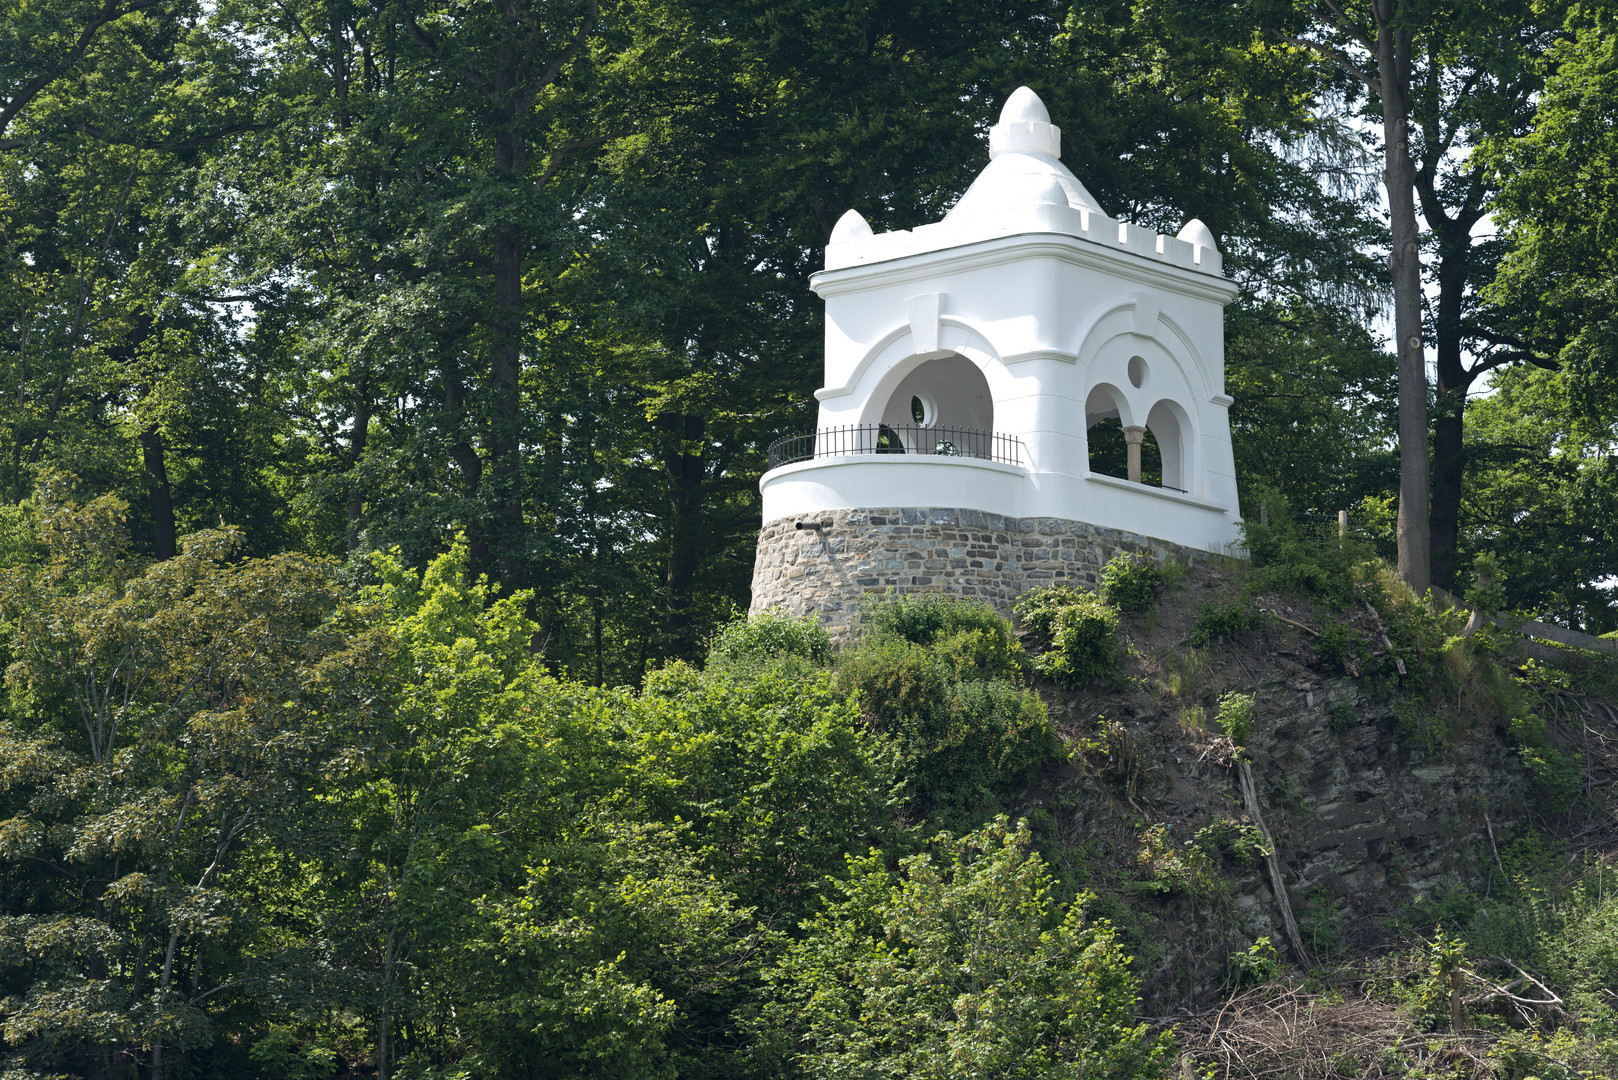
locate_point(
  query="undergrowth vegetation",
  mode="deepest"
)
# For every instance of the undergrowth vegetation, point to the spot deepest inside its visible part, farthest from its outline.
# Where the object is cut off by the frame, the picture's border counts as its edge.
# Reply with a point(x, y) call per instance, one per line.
point(1075, 633)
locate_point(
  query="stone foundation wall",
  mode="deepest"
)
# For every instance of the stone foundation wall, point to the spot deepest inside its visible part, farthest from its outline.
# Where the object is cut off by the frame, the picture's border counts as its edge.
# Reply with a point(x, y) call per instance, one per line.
point(930, 549)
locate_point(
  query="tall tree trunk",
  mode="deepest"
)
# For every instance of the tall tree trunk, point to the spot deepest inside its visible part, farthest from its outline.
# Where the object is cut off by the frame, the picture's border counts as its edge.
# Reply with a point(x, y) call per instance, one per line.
point(162, 501)
point(1449, 451)
point(685, 471)
point(505, 367)
point(1404, 264)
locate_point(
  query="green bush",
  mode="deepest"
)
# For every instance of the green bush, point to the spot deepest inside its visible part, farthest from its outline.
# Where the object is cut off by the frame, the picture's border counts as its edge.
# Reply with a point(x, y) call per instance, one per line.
point(1236, 715)
point(1287, 558)
point(904, 688)
point(982, 655)
point(960, 963)
point(1339, 644)
point(1232, 620)
point(1077, 632)
point(1557, 777)
point(956, 711)
point(1435, 994)
point(1129, 582)
point(1259, 964)
point(924, 619)
point(771, 634)
point(1240, 841)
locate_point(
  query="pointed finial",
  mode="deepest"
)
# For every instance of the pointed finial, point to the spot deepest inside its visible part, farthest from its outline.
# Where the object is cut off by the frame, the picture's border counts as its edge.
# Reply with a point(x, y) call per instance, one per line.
point(1024, 105)
point(1025, 127)
point(851, 226)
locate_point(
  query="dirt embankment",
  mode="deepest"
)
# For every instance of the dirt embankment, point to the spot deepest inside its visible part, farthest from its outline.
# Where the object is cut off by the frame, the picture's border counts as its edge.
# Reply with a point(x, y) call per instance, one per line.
point(1374, 800)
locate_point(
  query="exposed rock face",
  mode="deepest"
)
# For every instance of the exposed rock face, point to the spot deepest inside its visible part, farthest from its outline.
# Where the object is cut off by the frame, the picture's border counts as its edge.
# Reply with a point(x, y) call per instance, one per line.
point(963, 552)
point(1370, 817)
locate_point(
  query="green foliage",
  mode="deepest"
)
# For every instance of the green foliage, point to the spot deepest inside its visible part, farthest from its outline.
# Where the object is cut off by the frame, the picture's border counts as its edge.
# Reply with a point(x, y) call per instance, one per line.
point(1558, 776)
point(1259, 964)
point(1342, 715)
point(1130, 582)
point(1288, 558)
point(949, 694)
point(924, 619)
point(167, 722)
point(282, 1054)
point(1437, 1001)
point(960, 964)
point(1237, 713)
point(1170, 867)
point(1240, 841)
point(1321, 924)
point(771, 776)
point(1231, 620)
point(1077, 633)
point(768, 635)
point(1340, 645)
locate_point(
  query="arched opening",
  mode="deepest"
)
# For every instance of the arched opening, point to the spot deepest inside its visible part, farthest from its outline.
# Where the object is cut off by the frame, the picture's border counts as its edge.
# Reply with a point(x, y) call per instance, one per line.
point(942, 407)
point(1167, 424)
point(1108, 442)
point(1109, 453)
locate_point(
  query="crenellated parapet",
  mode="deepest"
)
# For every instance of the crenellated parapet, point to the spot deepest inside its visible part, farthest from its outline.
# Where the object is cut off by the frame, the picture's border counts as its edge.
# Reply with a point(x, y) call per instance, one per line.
point(986, 362)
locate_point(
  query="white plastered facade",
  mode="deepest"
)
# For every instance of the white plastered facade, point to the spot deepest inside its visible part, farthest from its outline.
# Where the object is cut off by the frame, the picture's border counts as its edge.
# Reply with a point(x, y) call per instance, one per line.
point(1027, 312)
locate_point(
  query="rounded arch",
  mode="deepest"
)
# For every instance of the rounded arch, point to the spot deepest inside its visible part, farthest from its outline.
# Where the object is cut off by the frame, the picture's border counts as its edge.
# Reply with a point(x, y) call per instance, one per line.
point(1170, 426)
point(943, 401)
point(893, 359)
point(898, 346)
point(1107, 402)
point(1120, 321)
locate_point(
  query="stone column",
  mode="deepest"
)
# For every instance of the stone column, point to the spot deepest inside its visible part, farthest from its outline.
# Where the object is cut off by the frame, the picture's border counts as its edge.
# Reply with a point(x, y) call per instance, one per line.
point(1133, 436)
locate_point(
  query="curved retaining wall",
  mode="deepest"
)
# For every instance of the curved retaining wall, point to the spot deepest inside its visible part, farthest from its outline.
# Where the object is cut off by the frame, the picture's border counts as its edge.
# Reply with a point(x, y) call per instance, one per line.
point(931, 550)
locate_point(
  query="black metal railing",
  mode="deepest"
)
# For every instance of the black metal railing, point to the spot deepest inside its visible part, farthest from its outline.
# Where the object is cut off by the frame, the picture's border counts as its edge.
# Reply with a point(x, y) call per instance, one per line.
point(897, 439)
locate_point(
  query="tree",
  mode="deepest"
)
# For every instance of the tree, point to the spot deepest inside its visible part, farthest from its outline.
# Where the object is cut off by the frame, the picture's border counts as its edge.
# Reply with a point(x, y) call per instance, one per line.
point(1375, 43)
point(960, 964)
point(164, 718)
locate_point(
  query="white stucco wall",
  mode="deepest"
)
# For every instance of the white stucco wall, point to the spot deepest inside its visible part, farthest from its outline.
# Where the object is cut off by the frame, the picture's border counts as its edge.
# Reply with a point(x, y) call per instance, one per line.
point(1048, 299)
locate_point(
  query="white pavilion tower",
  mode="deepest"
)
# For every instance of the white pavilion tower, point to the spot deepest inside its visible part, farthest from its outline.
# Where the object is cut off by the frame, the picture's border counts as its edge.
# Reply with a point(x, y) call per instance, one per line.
point(967, 360)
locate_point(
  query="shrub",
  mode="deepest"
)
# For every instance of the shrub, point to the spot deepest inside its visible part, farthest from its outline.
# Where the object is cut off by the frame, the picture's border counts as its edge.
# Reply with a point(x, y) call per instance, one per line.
point(1287, 558)
point(1557, 776)
point(982, 655)
point(1259, 964)
point(961, 962)
point(1129, 582)
point(1339, 645)
point(771, 634)
point(1078, 632)
point(1240, 841)
point(963, 733)
point(1438, 1005)
point(924, 619)
point(1232, 620)
point(1175, 868)
point(903, 687)
point(1236, 714)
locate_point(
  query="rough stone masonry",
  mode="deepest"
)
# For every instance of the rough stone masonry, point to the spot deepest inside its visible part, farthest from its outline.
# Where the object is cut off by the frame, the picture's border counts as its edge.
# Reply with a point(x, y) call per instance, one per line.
point(827, 562)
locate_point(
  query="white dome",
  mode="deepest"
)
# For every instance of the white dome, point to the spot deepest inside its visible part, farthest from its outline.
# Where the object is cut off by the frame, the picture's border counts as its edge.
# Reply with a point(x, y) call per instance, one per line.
point(1195, 232)
point(851, 226)
point(1024, 169)
point(1024, 106)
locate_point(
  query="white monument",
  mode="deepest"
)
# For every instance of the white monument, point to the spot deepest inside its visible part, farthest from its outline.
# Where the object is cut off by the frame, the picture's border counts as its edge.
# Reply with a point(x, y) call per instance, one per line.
point(967, 360)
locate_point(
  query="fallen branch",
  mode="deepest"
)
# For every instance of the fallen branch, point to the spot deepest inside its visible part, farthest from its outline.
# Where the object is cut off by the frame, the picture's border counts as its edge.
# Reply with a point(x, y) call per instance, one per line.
point(1383, 632)
point(1311, 631)
point(1244, 774)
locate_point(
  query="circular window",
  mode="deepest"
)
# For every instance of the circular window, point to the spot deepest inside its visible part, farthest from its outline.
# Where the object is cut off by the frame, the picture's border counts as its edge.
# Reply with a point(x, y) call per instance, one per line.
point(922, 411)
point(1137, 372)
